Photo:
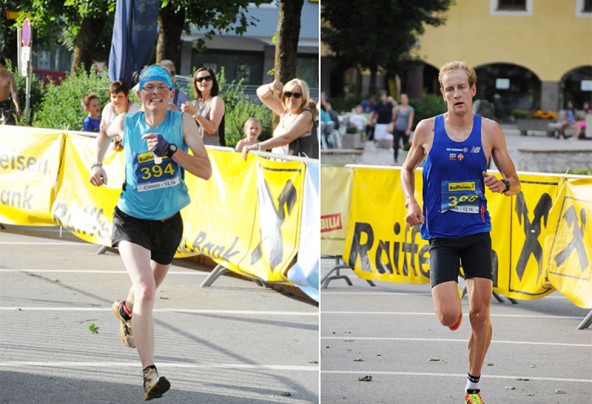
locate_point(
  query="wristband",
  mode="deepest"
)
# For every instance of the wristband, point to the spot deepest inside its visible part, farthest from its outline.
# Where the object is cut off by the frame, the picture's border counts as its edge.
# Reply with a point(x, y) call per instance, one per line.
point(97, 164)
point(507, 184)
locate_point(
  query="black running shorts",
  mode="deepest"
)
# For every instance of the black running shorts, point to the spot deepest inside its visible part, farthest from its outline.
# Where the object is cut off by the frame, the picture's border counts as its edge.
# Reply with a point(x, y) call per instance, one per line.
point(161, 237)
point(473, 252)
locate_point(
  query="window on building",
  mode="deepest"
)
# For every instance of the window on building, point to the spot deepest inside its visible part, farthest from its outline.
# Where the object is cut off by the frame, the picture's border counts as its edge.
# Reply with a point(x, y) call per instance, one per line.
point(587, 6)
point(510, 5)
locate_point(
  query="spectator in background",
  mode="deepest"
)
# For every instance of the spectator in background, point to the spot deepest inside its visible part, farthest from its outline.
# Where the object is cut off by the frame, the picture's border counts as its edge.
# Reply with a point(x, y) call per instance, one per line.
point(120, 104)
point(580, 125)
point(179, 96)
point(252, 129)
point(567, 119)
point(208, 107)
point(403, 117)
point(368, 106)
point(381, 117)
point(294, 134)
point(90, 103)
point(7, 91)
point(358, 118)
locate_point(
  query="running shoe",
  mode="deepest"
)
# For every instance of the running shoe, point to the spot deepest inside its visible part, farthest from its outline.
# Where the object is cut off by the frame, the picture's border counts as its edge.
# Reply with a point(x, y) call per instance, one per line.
point(125, 326)
point(457, 324)
point(473, 398)
point(154, 385)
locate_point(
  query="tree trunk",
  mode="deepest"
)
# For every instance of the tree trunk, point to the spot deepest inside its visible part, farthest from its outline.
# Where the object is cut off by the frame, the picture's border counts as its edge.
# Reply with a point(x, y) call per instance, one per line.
point(86, 48)
point(169, 38)
point(373, 70)
point(288, 33)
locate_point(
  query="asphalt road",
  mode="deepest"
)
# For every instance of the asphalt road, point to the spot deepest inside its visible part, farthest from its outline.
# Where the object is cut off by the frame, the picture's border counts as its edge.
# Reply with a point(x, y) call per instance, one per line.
point(389, 332)
point(233, 342)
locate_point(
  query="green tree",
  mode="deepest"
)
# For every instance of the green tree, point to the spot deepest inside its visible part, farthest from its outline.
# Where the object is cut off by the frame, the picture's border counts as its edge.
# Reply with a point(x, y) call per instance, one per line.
point(176, 17)
point(377, 33)
point(288, 33)
point(86, 26)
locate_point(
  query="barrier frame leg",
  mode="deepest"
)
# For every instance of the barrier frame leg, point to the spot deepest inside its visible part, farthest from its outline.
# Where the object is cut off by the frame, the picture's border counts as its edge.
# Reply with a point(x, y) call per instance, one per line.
point(102, 250)
point(586, 322)
point(218, 271)
point(337, 270)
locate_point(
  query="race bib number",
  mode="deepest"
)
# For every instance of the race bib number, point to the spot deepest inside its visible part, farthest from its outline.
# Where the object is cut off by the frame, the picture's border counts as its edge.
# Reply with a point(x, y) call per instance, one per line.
point(154, 173)
point(463, 197)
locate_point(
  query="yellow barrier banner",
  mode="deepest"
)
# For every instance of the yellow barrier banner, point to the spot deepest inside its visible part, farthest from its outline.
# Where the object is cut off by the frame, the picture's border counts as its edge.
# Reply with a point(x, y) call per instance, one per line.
point(379, 244)
point(247, 216)
point(29, 164)
point(518, 236)
point(80, 207)
point(335, 202)
point(568, 249)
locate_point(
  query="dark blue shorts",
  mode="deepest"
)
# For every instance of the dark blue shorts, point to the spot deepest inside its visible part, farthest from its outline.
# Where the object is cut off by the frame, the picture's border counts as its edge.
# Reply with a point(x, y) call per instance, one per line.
point(447, 255)
point(161, 237)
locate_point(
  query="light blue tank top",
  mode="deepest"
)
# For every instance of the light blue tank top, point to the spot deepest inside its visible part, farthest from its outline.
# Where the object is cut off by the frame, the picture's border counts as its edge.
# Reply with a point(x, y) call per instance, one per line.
point(153, 191)
point(454, 203)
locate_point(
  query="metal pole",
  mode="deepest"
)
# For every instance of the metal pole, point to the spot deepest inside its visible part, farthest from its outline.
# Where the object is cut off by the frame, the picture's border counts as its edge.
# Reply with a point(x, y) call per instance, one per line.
point(28, 100)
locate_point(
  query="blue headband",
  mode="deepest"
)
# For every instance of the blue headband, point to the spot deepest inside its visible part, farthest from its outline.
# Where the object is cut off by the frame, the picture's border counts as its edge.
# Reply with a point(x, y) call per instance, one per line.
point(155, 73)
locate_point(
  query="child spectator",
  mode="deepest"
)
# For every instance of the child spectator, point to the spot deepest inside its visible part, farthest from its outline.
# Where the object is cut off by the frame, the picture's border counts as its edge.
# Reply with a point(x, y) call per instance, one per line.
point(91, 106)
point(252, 130)
point(358, 118)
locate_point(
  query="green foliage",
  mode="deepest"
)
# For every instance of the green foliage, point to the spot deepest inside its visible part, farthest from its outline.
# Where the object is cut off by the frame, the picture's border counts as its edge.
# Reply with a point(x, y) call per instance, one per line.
point(389, 28)
point(61, 109)
point(37, 91)
point(521, 113)
point(427, 106)
point(93, 328)
point(239, 107)
point(344, 105)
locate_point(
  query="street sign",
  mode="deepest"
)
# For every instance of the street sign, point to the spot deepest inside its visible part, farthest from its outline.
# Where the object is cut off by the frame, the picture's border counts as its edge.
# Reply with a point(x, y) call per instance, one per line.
point(26, 32)
point(25, 59)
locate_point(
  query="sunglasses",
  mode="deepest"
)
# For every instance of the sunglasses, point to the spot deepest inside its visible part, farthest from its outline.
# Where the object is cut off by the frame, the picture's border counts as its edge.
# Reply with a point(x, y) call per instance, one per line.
point(289, 94)
point(206, 78)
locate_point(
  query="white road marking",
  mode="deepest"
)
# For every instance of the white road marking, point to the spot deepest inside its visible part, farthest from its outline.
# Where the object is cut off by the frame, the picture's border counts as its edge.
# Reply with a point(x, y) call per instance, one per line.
point(107, 365)
point(410, 313)
point(98, 271)
point(191, 311)
point(464, 341)
point(506, 377)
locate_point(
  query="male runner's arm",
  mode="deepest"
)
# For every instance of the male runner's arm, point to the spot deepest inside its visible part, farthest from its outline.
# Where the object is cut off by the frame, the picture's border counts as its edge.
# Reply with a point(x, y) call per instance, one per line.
point(503, 162)
point(422, 139)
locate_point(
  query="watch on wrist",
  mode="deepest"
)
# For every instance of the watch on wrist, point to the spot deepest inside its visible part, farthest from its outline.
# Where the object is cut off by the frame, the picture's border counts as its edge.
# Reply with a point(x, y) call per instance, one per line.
point(507, 183)
point(171, 150)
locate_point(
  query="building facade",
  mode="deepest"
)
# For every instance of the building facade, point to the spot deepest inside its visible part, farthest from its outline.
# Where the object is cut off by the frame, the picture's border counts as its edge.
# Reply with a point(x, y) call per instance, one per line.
point(251, 56)
point(528, 54)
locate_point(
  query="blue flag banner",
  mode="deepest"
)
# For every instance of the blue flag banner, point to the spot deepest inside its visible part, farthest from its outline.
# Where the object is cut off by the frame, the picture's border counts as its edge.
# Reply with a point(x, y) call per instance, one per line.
point(134, 37)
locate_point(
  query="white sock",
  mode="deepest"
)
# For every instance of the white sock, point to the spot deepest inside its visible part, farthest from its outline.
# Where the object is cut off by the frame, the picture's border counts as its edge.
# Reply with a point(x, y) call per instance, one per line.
point(472, 382)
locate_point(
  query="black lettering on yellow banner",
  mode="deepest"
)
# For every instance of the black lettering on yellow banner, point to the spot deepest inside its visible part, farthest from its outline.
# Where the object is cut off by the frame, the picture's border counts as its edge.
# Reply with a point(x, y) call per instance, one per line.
point(276, 211)
point(576, 244)
point(201, 245)
point(91, 221)
point(16, 199)
point(390, 256)
point(532, 231)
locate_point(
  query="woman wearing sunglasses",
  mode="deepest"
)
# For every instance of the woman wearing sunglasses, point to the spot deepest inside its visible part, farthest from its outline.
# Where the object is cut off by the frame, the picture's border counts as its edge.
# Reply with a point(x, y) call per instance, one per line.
point(294, 133)
point(208, 107)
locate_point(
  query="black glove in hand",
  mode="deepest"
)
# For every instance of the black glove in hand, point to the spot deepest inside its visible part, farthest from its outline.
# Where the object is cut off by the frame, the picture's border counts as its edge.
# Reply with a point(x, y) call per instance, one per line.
point(162, 147)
